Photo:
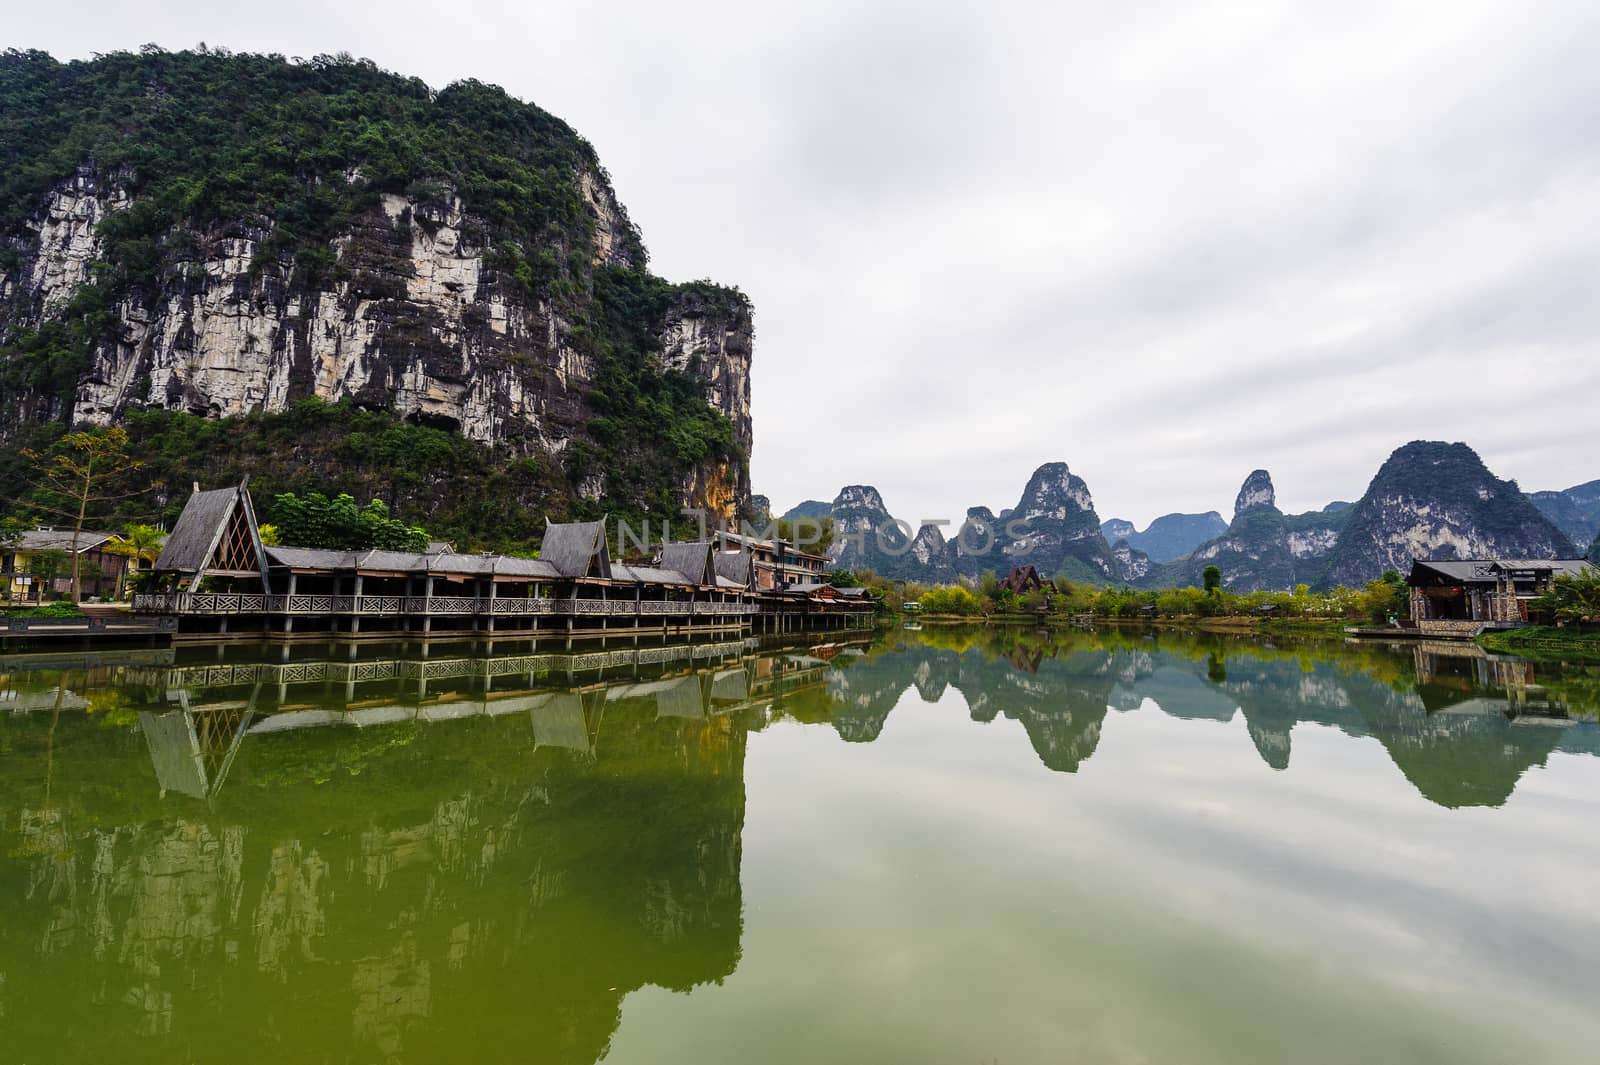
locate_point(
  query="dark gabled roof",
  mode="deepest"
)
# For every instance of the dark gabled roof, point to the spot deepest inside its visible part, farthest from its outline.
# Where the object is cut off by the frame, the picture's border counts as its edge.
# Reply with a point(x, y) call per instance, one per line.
point(313, 558)
point(201, 522)
point(462, 565)
point(577, 549)
point(510, 566)
point(733, 566)
point(649, 575)
point(1558, 567)
point(693, 560)
point(490, 566)
point(391, 561)
point(1487, 570)
point(852, 593)
point(59, 540)
point(1466, 571)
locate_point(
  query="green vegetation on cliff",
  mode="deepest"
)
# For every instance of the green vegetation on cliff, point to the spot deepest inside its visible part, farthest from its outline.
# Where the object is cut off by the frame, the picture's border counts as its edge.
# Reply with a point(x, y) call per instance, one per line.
point(208, 138)
point(293, 156)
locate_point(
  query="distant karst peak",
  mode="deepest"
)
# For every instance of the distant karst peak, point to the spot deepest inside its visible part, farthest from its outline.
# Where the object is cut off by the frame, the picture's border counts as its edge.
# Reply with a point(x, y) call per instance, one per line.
point(859, 497)
point(1255, 492)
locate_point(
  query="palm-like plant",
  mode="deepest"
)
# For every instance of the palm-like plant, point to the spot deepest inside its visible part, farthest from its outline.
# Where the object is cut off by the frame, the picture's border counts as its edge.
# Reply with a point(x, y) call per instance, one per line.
point(1574, 597)
point(142, 543)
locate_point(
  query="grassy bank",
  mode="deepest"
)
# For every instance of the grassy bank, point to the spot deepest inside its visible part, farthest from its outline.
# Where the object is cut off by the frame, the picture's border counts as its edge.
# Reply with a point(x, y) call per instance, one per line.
point(1546, 641)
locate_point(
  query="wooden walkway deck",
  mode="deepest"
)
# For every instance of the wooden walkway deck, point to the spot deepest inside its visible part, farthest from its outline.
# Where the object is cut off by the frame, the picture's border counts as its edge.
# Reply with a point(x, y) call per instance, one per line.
point(34, 632)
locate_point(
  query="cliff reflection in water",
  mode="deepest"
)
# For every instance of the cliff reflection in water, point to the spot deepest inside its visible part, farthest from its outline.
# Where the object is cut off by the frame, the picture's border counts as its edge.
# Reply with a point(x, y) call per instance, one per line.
point(443, 859)
point(365, 854)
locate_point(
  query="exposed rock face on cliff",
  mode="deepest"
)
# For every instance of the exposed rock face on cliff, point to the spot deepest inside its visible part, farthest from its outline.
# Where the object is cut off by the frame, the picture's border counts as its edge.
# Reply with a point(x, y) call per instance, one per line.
point(1114, 529)
point(494, 287)
point(1262, 549)
point(1133, 565)
point(1053, 527)
point(1437, 501)
point(973, 547)
point(1575, 511)
point(1256, 491)
point(867, 536)
point(1170, 536)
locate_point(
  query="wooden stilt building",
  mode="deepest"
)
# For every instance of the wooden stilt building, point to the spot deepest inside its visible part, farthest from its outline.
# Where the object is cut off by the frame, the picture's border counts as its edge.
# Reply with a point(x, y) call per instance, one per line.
point(216, 576)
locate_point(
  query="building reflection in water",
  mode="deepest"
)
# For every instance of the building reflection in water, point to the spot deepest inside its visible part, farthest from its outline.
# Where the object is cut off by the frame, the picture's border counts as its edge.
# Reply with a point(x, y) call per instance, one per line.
point(478, 854)
point(363, 854)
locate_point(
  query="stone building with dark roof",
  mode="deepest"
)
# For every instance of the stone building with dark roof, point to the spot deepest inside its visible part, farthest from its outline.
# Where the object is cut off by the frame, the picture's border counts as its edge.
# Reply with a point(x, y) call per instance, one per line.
point(1454, 597)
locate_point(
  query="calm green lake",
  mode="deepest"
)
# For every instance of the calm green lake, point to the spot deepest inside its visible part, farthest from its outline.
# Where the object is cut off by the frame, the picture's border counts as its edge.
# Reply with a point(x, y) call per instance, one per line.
point(928, 847)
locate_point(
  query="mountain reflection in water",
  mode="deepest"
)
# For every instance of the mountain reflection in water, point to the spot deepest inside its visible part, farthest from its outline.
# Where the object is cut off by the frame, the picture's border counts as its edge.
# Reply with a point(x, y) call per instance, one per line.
point(352, 853)
point(1463, 726)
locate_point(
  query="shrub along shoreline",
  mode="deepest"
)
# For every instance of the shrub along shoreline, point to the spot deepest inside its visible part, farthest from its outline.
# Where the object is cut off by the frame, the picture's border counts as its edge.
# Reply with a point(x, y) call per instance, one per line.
point(1206, 608)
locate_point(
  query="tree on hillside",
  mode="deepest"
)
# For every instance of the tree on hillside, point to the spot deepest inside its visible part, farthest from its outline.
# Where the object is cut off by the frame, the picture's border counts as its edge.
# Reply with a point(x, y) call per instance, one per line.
point(77, 477)
point(314, 520)
point(1212, 576)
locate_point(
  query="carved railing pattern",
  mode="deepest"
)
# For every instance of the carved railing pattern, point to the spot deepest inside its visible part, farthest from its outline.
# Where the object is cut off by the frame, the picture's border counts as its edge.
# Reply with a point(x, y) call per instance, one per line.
point(374, 670)
point(522, 606)
point(448, 604)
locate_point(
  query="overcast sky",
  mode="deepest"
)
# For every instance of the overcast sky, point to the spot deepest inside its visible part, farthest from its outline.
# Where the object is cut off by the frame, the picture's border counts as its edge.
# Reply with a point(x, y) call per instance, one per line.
point(1165, 243)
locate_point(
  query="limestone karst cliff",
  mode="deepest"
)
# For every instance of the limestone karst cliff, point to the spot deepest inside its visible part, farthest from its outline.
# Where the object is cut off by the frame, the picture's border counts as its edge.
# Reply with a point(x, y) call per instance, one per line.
point(1575, 511)
point(1053, 526)
point(227, 235)
point(1262, 549)
point(1437, 500)
point(1429, 500)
